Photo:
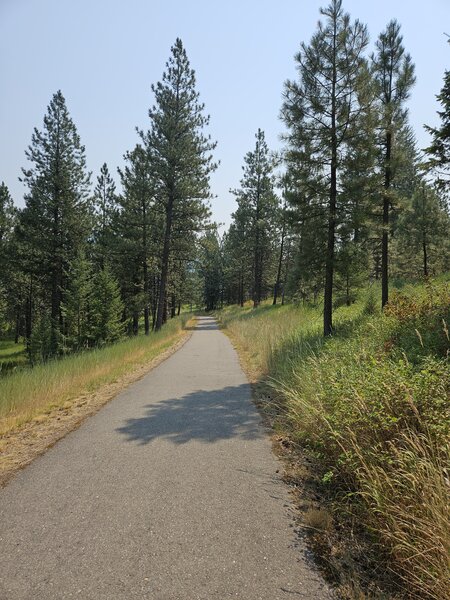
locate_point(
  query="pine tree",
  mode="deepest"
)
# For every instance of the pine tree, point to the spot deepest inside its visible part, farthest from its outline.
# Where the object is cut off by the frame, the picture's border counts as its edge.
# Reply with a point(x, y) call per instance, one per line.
point(7, 213)
point(237, 260)
point(106, 308)
point(138, 225)
point(56, 218)
point(76, 303)
point(105, 206)
point(257, 210)
point(211, 270)
point(394, 76)
point(423, 233)
point(319, 111)
point(439, 150)
point(179, 155)
point(282, 223)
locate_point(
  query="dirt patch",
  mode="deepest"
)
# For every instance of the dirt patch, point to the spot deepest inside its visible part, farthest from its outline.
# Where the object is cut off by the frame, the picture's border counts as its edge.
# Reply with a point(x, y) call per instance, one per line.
point(18, 448)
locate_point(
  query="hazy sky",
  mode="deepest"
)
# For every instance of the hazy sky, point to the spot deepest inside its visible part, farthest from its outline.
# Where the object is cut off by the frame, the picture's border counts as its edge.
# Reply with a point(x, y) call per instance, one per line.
point(104, 55)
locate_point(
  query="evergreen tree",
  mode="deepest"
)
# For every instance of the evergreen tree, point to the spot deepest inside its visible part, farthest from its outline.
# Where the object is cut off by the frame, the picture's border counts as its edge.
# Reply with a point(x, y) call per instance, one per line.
point(394, 76)
point(55, 222)
point(423, 234)
point(106, 308)
point(237, 260)
point(179, 155)
point(211, 270)
point(257, 211)
point(7, 214)
point(282, 227)
point(319, 111)
point(76, 303)
point(105, 206)
point(439, 150)
point(138, 224)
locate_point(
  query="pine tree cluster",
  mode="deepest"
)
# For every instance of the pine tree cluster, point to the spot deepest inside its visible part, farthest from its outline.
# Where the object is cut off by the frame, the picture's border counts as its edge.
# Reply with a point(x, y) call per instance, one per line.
point(350, 199)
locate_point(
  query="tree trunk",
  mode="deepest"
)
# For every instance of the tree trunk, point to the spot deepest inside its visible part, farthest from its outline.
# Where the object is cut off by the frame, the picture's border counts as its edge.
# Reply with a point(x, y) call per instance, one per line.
point(280, 263)
point(154, 300)
point(385, 237)
point(425, 257)
point(145, 270)
point(241, 288)
point(329, 264)
point(173, 307)
point(17, 331)
point(347, 287)
point(165, 309)
point(135, 323)
point(162, 309)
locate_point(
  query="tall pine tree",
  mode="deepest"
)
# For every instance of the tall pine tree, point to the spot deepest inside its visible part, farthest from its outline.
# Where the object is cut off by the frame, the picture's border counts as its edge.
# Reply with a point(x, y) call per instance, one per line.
point(257, 211)
point(105, 207)
point(394, 76)
point(180, 156)
point(56, 219)
point(319, 111)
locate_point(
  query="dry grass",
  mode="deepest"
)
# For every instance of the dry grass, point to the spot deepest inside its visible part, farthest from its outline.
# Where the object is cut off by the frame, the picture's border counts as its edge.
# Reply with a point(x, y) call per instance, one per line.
point(31, 394)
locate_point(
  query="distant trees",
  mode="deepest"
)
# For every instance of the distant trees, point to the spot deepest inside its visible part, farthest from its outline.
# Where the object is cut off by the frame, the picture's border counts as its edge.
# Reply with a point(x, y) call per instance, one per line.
point(255, 217)
point(211, 270)
point(8, 289)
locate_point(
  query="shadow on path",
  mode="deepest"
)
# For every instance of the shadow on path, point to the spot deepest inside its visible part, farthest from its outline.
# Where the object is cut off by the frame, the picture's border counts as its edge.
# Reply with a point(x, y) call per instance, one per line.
point(207, 416)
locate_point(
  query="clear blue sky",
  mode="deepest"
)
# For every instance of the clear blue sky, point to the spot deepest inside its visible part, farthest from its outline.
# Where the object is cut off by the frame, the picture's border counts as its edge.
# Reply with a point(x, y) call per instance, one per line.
point(104, 55)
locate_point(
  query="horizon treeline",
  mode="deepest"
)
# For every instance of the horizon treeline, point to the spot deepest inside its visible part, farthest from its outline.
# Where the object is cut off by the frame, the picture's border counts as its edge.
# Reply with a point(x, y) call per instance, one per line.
point(351, 199)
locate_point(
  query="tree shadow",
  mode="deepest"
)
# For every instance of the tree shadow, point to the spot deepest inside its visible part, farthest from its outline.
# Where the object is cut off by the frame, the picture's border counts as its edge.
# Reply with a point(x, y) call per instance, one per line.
point(205, 323)
point(206, 416)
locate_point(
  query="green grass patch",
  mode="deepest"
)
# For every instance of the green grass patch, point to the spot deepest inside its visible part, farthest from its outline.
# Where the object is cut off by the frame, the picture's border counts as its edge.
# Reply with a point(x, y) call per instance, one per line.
point(11, 355)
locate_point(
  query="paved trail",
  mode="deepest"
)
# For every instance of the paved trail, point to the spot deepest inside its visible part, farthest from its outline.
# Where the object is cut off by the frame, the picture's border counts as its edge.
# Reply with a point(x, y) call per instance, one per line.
point(170, 492)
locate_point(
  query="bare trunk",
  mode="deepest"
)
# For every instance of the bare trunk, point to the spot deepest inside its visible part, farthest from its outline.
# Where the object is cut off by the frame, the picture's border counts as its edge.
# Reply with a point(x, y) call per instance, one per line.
point(385, 238)
point(162, 309)
point(329, 264)
point(280, 263)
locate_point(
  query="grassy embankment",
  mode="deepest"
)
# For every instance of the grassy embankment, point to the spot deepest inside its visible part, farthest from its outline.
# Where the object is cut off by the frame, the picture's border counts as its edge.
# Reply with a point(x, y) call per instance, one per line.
point(32, 393)
point(372, 405)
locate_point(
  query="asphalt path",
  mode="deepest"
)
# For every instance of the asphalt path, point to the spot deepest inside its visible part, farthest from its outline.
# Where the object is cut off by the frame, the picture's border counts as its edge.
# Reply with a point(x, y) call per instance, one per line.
point(170, 492)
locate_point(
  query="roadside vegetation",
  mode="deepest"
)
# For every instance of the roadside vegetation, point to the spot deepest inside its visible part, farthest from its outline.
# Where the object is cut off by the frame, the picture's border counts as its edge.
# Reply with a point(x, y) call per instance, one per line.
point(31, 393)
point(371, 404)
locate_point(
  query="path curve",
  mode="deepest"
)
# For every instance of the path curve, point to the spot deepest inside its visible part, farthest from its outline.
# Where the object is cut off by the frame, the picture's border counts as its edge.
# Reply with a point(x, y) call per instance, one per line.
point(170, 492)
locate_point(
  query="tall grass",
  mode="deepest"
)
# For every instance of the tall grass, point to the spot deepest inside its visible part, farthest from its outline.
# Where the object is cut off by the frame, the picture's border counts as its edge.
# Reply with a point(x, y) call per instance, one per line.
point(31, 392)
point(373, 404)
